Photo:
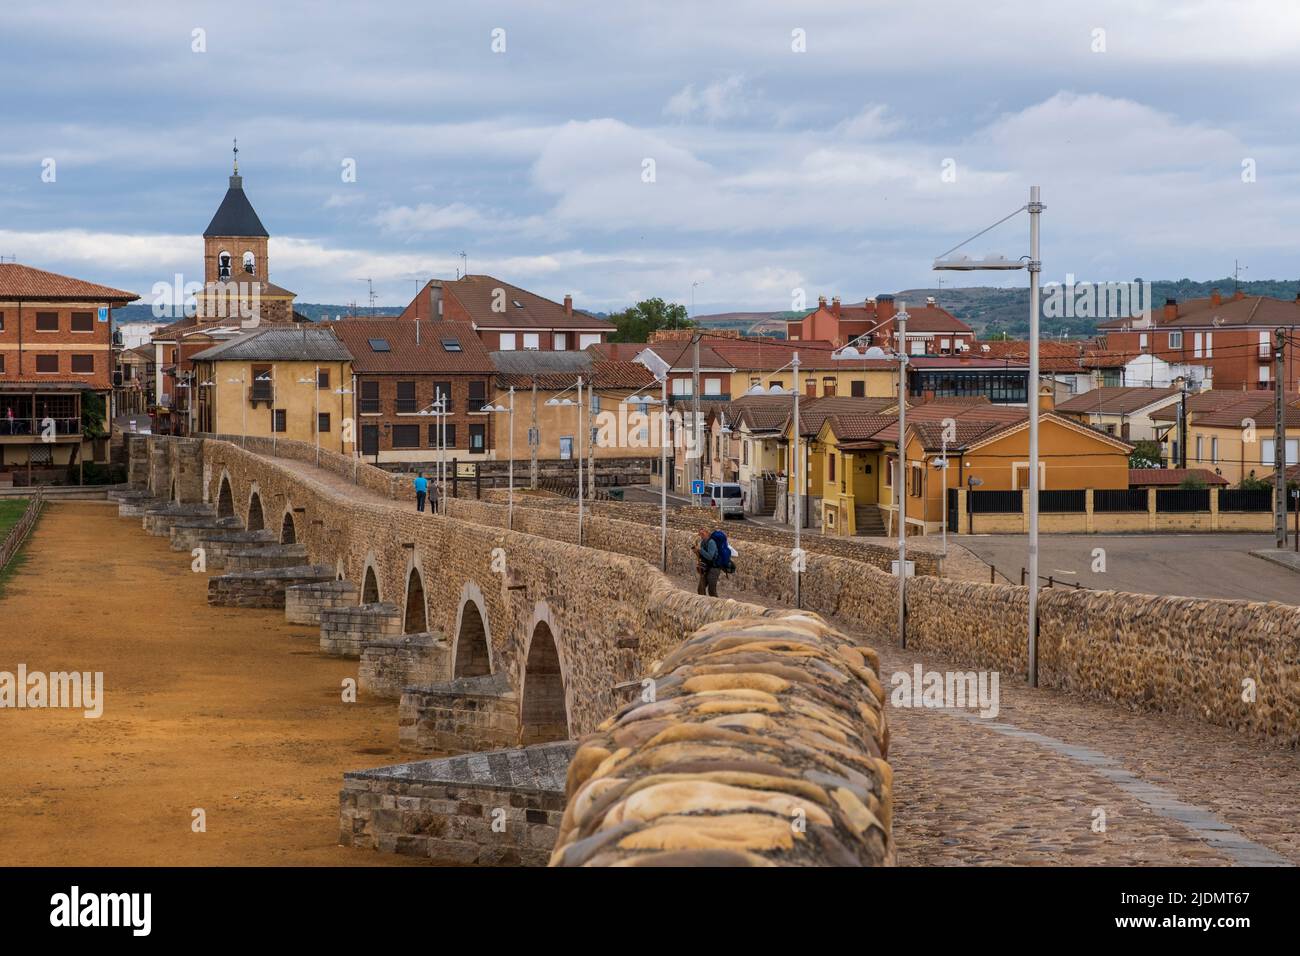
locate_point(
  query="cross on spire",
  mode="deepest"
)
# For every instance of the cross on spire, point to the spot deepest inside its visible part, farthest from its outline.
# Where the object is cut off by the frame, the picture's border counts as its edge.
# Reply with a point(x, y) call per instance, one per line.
point(236, 155)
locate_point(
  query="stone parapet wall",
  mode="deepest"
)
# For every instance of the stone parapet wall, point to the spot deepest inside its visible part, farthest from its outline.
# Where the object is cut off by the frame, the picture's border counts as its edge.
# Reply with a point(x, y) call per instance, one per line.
point(347, 466)
point(765, 744)
point(304, 602)
point(390, 666)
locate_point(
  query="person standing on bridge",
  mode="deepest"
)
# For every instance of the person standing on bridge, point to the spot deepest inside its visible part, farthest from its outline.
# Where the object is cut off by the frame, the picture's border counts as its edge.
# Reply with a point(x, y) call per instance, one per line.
point(421, 490)
point(706, 564)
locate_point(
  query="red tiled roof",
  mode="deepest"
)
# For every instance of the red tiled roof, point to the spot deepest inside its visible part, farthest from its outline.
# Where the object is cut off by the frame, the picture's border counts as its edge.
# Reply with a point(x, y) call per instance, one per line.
point(1052, 356)
point(601, 374)
point(1250, 310)
point(478, 294)
point(23, 282)
point(1115, 400)
point(1166, 477)
point(405, 355)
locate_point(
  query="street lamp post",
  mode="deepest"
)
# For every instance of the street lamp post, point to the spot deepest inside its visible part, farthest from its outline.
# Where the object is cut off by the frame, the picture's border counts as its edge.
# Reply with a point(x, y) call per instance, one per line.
point(1034, 265)
point(315, 382)
point(556, 400)
point(510, 465)
point(645, 401)
point(437, 408)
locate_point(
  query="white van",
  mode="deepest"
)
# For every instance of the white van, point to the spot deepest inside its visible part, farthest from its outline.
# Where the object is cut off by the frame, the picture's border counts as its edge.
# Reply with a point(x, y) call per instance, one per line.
point(726, 497)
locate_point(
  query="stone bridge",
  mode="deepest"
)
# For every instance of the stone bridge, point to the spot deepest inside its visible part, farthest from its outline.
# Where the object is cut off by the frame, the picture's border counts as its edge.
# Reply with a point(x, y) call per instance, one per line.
point(497, 639)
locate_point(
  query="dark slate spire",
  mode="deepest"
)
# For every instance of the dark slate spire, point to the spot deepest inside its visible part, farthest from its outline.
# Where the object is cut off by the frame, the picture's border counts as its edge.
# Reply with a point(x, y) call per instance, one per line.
point(235, 215)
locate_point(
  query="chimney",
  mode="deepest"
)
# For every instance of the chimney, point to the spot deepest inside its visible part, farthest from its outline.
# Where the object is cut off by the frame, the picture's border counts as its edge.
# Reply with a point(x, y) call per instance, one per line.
point(1171, 309)
point(835, 306)
point(821, 302)
point(568, 305)
point(1216, 298)
point(884, 307)
point(1239, 294)
point(1046, 397)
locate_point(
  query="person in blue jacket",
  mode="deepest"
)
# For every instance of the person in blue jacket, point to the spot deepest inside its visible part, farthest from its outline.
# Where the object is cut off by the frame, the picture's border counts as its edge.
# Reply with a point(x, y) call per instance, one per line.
point(421, 490)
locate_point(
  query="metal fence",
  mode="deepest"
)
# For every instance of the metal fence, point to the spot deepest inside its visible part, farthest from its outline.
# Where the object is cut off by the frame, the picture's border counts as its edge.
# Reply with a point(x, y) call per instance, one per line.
point(1119, 499)
point(1178, 500)
point(18, 533)
point(1240, 499)
point(995, 502)
point(1074, 502)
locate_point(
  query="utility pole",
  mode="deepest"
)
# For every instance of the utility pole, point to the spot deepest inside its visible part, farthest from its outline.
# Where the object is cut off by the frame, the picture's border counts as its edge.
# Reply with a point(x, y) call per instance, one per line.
point(1279, 440)
point(1181, 459)
point(900, 484)
point(697, 426)
point(1035, 266)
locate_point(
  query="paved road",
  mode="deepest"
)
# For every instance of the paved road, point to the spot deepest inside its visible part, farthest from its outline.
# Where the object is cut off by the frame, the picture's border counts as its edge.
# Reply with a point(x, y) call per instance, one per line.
point(1188, 565)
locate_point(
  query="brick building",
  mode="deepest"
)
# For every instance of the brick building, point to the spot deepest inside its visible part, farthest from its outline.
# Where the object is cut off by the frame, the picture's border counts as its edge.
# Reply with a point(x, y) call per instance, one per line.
point(931, 329)
point(507, 317)
point(1231, 337)
point(56, 350)
point(399, 367)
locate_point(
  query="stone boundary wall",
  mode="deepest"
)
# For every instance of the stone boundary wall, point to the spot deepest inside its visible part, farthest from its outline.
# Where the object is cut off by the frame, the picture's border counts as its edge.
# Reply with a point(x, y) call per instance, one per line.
point(692, 519)
point(765, 744)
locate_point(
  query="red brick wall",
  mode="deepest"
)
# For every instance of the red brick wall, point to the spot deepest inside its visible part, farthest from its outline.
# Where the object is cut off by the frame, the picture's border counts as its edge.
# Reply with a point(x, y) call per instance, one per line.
point(20, 329)
point(1235, 361)
point(459, 416)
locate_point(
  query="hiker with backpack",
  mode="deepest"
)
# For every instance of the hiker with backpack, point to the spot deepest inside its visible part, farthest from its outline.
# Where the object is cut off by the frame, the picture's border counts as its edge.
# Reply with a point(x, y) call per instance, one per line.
point(712, 557)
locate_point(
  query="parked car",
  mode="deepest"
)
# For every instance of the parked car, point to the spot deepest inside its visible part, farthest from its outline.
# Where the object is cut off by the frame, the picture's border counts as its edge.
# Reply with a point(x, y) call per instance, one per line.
point(726, 497)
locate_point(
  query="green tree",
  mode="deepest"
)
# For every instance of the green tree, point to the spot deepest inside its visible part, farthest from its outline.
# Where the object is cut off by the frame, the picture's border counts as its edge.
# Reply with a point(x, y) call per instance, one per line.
point(92, 415)
point(649, 315)
point(1252, 483)
point(1192, 482)
point(1145, 454)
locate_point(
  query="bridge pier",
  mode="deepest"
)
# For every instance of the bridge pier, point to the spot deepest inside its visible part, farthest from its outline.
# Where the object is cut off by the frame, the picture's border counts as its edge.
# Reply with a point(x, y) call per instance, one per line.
point(391, 665)
point(217, 544)
point(304, 602)
point(343, 630)
point(459, 716)
point(262, 588)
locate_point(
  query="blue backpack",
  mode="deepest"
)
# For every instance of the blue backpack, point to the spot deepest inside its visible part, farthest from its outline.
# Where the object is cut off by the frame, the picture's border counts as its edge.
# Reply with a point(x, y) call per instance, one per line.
point(723, 559)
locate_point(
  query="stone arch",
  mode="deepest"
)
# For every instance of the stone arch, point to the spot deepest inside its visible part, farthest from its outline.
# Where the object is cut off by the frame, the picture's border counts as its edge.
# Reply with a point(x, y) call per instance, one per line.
point(471, 654)
point(370, 586)
point(543, 703)
point(225, 498)
point(416, 618)
point(288, 529)
point(256, 520)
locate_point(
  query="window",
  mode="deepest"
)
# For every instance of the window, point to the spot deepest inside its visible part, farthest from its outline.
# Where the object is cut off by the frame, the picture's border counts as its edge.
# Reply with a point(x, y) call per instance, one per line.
point(776, 383)
point(744, 452)
point(810, 387)
point(830, 464)
point(506, 342)
point(585, 340)
point(477, 437)
point(477, 398)
point(263, 384)
point(828, 387)
point(918, 481)
point(406, 436)
point(2, 321)
point(2, 363)
point(405, 403)
point(1175, 340)
point(1263, 375)
point(1200, 447)
point(250, 263)
point(561, 341)
point(279, 420)
point(891, 462)
point(448, 436)
point(532, 341)
point(83, 364)
point(682, 386)
point(1142, 341)
point(47, 321)
point(369, 398)
point(443, 390)
point(595, 404)
point(323, 378)
point(223, 266)
point(1292, 451)
point(945, 345)
point(713, 386)
point(450, 345)
point(918, 347)
point(566, 447)
point(47, 364)
point(323, 421)
point(858, 389)
point(379, 345)
point(1209, 345)
point(83, 322)
point(1214, 451)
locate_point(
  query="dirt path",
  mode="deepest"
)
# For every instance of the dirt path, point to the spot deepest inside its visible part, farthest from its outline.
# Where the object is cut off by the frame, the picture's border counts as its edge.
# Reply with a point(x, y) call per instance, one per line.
point(232, 711)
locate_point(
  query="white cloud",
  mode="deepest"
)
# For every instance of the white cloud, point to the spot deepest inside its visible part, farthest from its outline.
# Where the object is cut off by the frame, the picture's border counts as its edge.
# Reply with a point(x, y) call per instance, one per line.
point(724, 99)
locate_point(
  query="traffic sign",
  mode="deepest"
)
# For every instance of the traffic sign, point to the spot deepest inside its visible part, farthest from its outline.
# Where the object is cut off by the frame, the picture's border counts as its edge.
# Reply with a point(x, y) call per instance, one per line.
point(697, 487)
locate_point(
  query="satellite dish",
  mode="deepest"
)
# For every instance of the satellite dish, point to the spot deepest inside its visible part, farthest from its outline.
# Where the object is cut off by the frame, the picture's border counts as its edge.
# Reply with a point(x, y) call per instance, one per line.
point(776, 390)
point(875, 352)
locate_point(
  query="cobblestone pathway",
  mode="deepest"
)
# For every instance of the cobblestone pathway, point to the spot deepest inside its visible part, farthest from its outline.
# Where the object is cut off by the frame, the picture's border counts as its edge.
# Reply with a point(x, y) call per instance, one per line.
point(1029, 786)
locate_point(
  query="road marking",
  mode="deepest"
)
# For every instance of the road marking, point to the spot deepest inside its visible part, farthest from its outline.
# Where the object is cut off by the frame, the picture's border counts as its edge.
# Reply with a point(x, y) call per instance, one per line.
point(1202, 822)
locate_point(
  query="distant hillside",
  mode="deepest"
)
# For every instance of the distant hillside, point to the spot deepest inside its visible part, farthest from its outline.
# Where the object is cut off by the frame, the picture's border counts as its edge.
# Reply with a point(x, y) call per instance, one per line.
point(994, 313)
point(313, 310)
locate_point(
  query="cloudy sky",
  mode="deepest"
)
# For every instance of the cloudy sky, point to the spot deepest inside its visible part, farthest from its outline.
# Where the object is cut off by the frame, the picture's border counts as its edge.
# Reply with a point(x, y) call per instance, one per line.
point(833, 147)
